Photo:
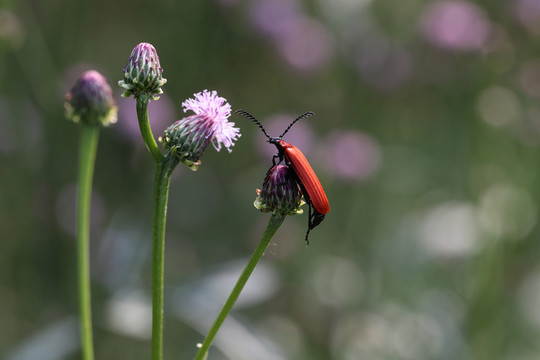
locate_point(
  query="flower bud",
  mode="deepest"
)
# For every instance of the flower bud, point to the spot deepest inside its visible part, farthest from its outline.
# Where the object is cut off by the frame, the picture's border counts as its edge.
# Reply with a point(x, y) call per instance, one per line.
point(91, 100)
point(189, 137)
point(280, 193)
point(143, 73)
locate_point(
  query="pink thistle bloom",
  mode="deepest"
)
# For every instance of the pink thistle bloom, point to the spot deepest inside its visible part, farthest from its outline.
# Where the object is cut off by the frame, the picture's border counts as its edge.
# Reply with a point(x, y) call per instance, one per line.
point(189, 137)
point(216, 110)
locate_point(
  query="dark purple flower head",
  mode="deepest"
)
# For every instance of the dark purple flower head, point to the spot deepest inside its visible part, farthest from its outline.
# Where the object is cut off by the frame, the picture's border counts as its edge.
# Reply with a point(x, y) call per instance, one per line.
point(143, 74)
point(91, 100)
point(189, 137)
point(280, 193)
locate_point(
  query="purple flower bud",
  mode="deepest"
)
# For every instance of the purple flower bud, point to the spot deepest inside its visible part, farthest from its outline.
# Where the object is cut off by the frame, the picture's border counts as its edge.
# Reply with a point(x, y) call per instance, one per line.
point(280, 193)
point(143, 73)
point(91, 100)
point(189, 137)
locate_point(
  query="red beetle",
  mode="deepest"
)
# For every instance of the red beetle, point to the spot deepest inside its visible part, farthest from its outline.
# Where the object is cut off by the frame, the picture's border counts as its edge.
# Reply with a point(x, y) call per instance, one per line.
point(306, 178)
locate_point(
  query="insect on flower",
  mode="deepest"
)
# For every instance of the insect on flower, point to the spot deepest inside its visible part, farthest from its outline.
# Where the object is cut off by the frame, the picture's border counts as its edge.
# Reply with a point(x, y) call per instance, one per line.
point(305, 177)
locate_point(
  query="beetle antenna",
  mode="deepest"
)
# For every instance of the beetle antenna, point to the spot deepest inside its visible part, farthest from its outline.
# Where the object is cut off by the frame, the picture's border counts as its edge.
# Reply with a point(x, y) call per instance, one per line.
point(303, 116)
point(252, 118)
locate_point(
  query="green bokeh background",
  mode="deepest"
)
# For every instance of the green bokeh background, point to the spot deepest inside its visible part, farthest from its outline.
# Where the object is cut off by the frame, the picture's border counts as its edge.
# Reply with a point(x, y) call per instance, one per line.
point(432, 255)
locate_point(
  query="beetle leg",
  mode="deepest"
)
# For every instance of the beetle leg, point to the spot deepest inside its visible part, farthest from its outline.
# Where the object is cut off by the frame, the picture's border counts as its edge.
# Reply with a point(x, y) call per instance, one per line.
point(274, 159)
point(314, 219)
point(309, 224)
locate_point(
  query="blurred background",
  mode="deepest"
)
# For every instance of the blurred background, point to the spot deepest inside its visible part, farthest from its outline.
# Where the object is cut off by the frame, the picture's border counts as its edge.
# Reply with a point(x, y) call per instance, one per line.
point(426, 139)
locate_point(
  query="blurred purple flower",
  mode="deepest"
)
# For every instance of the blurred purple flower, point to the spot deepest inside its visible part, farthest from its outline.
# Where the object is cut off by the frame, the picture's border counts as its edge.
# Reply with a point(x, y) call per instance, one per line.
point(274, 17)
point(306, 46)
point(91, 100)
point(352, 155)
point(304, 43)
point(455, 25)
point(71, 74)
point(528, 13)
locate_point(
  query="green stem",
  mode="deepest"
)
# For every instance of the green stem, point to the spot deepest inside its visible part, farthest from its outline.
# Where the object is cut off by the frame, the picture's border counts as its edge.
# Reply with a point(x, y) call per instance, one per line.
point(146, 130)
point(87, 156)
point(162, 180)
point(274, 223)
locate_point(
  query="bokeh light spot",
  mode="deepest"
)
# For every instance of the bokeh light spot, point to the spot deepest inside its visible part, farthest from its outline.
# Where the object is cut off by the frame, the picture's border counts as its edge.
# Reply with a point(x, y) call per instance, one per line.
point(352, 155)
point(449, 230)
point(455, 25)
point(338, 281)
point(507, 211)
point(307, 45)
point(498, 106)
point(130, 313)
point(529, 77)
point(12, 31)
point(273, 17)
point(529, 298)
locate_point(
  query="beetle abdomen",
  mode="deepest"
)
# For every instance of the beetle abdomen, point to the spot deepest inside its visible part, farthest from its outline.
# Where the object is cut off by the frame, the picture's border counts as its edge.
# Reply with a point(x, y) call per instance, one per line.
point(307, 177)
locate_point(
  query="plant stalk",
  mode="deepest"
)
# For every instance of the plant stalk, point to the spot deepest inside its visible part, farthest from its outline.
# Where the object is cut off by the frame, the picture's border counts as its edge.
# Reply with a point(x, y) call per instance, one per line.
point(87, 156)
point(162, 180)
point(274, 223)
point(146, 130)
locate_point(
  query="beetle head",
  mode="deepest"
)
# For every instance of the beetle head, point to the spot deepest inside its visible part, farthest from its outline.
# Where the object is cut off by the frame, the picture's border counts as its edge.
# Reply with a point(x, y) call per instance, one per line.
point(274, 140)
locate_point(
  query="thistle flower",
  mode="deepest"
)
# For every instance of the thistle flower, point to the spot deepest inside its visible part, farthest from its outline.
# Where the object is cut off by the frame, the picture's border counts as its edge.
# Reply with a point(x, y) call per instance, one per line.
point(280, 193)
point(189, 137)
point(91, 100)
point(143, 73)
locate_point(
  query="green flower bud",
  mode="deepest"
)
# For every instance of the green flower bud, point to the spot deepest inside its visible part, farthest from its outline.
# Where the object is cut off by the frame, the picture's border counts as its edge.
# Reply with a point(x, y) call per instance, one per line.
point(187, 139)
point(91, 100)
point(280, 193)
point(143, 73)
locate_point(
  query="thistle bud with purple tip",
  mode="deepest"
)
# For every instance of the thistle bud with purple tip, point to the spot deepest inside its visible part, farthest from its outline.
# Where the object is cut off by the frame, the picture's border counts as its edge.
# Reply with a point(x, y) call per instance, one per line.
point(280, 193)
point(188, 138)
point(91, 101)
point(143, 73)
